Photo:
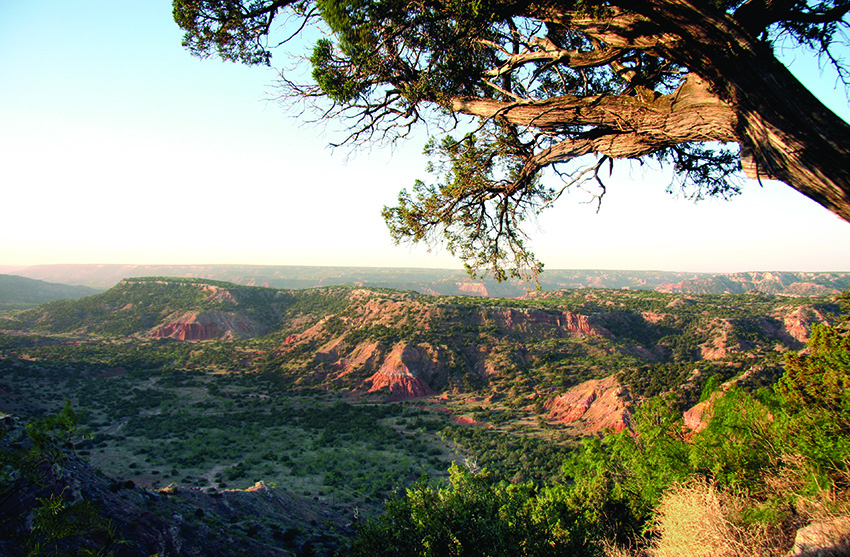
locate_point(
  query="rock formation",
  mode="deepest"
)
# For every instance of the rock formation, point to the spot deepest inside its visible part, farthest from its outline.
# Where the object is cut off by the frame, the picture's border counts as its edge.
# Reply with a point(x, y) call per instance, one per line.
point(719, 344)
point(697, 417)
point(822, 538)
point(472, 289)
point(401, 373)
point(597, 404)
point(173, 521)
point(543, 323)
point(798, 323)
point(212, 325)
point(784, 284)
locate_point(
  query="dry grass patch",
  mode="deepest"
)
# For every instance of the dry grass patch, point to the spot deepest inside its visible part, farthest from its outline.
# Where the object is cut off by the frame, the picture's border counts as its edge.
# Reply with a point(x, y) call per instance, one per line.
point(699, 520)
point(611, 549)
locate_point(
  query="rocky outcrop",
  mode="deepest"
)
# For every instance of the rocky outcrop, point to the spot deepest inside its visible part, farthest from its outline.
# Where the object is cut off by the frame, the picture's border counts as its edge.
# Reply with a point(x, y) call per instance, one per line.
point(218, 294)
point(803, 288)
point(653, 317)
point(787, 328)
point(543, 323)
point(822, 538)
point(401, 373)
point(597, 404)
point(366, 356)
point(697, 417)
point(472, 289)
point(394, 309)
point(193, 326)
point(783, 284)
point(174, 521)
point(188, 327)
point(798, 323)
point(719, 345)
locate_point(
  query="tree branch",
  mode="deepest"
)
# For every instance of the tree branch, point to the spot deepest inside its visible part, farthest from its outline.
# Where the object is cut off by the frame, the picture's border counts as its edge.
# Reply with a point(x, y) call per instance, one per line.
point(572, 58)
point(691, 113)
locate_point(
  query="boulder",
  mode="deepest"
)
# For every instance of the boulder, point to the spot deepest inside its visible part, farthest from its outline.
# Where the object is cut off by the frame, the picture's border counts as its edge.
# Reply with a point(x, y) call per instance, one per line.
point(824, 538)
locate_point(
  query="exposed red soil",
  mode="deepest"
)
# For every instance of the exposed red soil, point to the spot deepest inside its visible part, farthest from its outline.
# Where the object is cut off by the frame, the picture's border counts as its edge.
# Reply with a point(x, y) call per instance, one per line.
point(596, 404)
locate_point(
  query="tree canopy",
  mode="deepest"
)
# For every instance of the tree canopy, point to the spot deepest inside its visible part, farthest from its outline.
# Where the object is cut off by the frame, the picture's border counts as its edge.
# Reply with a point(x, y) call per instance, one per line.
point(555, 87)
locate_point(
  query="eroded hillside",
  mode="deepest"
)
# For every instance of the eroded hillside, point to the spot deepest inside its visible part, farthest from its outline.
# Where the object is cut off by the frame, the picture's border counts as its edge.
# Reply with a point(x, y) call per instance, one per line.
point(405, 345)
point(344, 395)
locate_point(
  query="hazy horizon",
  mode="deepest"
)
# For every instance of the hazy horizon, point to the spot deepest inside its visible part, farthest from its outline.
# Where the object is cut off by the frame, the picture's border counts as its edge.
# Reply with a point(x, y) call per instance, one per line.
point(8, 269)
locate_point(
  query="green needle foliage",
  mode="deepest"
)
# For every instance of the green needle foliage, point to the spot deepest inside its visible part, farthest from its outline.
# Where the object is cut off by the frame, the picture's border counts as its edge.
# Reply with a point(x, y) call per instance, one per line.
point(477, 209)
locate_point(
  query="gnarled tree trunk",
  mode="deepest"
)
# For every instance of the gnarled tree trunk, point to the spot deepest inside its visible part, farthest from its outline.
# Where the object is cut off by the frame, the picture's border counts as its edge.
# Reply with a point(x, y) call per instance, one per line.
point(784, 132)
point(788, 134)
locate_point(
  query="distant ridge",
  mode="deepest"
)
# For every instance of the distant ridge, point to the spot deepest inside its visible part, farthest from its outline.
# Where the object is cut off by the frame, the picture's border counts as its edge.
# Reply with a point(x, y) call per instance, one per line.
point(408, 345)
point(20, 292)
point(454, 282)
point(787, 284)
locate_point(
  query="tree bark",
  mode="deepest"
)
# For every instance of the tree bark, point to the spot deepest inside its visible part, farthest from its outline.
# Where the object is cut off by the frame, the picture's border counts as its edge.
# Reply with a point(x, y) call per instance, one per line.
point(625, 126)
point(790, 135)
point(784, 131)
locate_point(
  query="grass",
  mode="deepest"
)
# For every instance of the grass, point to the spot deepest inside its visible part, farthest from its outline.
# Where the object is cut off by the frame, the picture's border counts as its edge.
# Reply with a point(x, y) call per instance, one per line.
point(224, 431)
point(699, 520)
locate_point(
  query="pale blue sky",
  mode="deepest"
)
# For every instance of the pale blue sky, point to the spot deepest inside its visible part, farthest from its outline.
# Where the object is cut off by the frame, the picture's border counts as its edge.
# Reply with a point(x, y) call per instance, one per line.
point(116, 146)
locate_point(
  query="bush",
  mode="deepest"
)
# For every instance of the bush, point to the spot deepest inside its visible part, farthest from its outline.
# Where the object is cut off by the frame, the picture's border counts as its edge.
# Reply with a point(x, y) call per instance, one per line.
point(469, 517)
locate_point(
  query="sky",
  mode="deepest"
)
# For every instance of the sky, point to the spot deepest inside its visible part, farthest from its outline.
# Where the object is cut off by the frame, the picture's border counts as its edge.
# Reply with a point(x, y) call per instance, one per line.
point(118, 146)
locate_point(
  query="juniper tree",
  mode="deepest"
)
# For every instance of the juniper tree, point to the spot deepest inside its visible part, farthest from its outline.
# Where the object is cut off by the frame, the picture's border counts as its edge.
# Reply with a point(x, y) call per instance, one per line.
point(563, 85)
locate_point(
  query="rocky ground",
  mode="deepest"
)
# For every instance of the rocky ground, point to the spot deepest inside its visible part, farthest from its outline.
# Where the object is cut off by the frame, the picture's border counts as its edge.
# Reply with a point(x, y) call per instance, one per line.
point(90, 510)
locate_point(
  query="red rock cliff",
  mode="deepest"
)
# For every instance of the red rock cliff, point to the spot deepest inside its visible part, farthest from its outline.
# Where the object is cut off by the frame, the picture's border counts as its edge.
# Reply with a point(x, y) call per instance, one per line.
point(194, 326)
point(597, 404)
point(401, 373)
point(535, 321)
point(798, 323)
